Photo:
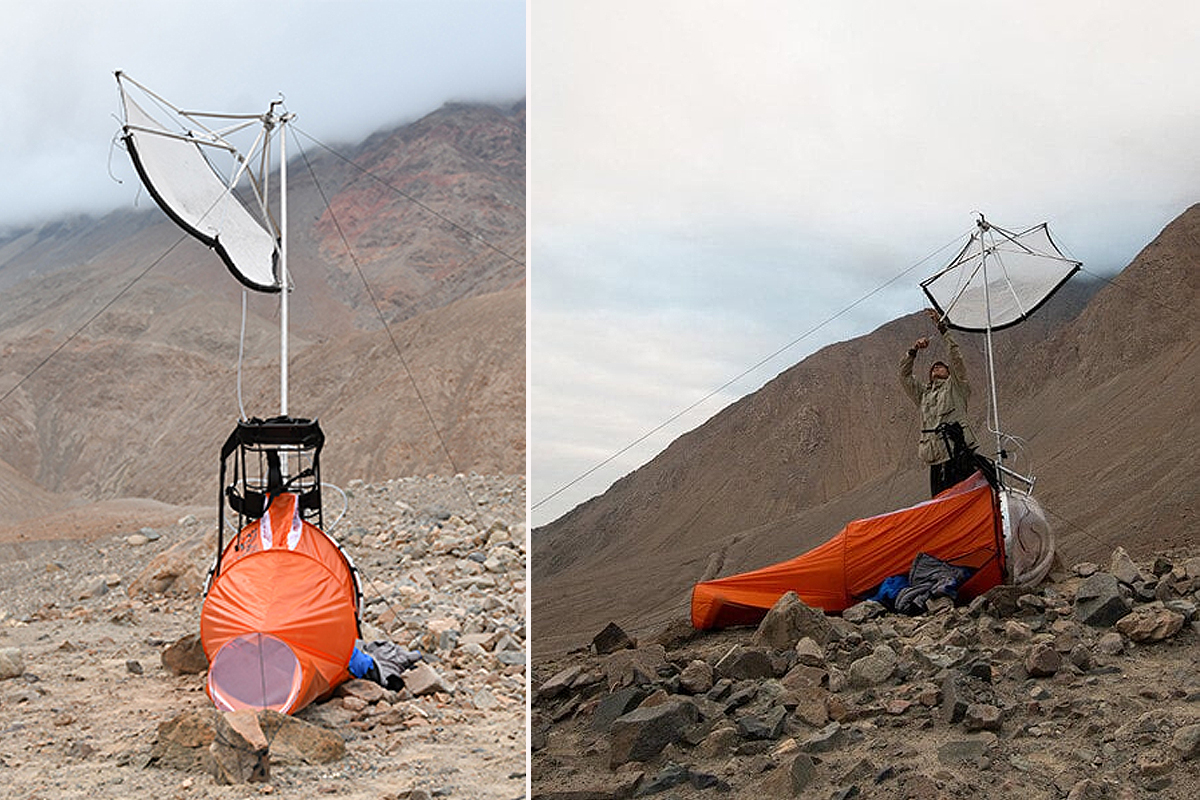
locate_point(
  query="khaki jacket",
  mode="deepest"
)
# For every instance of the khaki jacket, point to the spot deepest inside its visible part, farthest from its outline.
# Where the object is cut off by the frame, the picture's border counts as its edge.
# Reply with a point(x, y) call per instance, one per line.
point(939, 401)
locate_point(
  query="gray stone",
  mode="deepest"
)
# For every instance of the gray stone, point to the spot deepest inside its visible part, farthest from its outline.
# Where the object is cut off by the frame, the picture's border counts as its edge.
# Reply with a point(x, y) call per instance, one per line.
point(668, 777)
point(745, 692)
point(861, 612)
point(90, 588)
point(955, 698)
point(1081, 657)
point(1042, 660)
point(1191, 567)
point(559, 683)
point(742, 663)
point(1186, 742)
point(768, 725)
point(12, 665)
point(828, 739)
point(424, 679)
point(611, 639)
point(185, 656)
point(1185, 607)
point(802, 771)
point(642, 733)
point(873, 669)
point(982, 717)
point(958, 751)
point(1123, 568)
point(696, 678)
point(633, 667)
point(790, 620)
point(1003, 599)
point(615, 704)
point(810, 653)
point(1098, 601)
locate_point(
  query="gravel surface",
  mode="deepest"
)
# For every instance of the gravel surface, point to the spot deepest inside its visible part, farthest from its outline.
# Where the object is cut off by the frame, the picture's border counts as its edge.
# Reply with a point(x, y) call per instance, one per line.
point(443, 561)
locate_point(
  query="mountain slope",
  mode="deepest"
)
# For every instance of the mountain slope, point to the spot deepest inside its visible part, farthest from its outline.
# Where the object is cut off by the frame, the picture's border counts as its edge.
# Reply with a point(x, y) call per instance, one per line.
point(139, 327)
point(1105, 398)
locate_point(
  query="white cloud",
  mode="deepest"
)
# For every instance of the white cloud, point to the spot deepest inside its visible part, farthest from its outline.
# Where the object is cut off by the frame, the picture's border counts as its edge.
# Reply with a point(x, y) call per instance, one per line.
point(345, 67)
point(767, 164)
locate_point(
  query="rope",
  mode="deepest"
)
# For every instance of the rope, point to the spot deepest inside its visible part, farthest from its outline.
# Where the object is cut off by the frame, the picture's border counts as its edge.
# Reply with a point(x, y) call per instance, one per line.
point(1121, 285)
point(740, 375)
point(1079, 528)
point(92, 319)
point(241, 352)
point(383, 320)
point(406, 196)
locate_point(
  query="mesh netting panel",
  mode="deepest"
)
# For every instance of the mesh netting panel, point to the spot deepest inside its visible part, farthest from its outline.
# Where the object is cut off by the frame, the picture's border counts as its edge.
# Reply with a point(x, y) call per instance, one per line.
point(254, 671)
point(1022, 272)
point(184, 183)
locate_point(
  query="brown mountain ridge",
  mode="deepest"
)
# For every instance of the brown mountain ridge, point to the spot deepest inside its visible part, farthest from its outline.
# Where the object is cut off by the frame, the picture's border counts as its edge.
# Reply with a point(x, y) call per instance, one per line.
point(139, 384)
point(1100, 384)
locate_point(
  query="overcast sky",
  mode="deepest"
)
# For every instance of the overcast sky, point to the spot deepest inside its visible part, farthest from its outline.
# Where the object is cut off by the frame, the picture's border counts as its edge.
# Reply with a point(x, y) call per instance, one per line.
point(346, 68)
point(712, 180)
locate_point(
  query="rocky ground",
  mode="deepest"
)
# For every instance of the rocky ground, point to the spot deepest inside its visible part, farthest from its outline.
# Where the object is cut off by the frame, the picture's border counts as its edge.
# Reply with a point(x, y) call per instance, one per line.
point(86, 702)
point(1086, 688)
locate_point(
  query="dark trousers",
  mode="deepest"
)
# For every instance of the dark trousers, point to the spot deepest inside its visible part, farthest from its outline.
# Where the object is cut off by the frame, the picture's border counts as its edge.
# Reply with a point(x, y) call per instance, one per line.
point(962, 464)
point(943, 476)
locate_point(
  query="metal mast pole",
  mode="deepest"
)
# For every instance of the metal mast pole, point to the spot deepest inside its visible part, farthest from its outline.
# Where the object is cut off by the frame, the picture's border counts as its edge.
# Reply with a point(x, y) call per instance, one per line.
point(991, 364)
point(283, 270)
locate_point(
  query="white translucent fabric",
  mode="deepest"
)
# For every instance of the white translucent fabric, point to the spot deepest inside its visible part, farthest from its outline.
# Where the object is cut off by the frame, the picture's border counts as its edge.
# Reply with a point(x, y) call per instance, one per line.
point(1022, 272)
point(184, 184)
point(1029, 542)
point(255, 671)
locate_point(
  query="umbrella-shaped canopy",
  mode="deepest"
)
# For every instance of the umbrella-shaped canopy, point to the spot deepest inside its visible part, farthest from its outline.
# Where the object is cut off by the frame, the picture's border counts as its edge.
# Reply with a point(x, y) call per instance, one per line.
point(999, 278)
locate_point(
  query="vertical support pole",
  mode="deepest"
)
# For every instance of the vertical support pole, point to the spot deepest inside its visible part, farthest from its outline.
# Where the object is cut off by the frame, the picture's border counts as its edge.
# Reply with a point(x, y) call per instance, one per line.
point(991, 364)
point(283, 270)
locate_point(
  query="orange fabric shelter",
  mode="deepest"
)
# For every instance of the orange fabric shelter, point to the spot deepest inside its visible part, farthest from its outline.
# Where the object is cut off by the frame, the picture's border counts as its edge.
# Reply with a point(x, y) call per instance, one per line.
point(960, 525)
point(279, 622)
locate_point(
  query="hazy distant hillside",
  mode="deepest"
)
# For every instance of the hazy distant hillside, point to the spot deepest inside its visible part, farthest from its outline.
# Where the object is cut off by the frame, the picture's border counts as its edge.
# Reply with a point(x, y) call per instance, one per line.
point(138, 402)
point(1104, 396)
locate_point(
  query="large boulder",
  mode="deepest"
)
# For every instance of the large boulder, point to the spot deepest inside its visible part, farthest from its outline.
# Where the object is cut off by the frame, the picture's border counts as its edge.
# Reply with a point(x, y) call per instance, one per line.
point(634, 667)
point(612, 639)
point(789, 621)
point(1099, 602)
point(240, 751)
point(1151, 623)
point(185, 656)
point(874, 668)
point(641, 734)
point(239, 746)
point(745, 663)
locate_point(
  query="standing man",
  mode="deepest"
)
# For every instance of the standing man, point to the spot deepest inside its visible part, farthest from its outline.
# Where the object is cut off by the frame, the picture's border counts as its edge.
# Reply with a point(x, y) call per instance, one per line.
point(947, 443)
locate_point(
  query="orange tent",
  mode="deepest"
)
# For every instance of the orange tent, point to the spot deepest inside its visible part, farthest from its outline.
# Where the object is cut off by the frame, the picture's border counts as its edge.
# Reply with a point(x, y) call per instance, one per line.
point(961, 526)
point(280, 619)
